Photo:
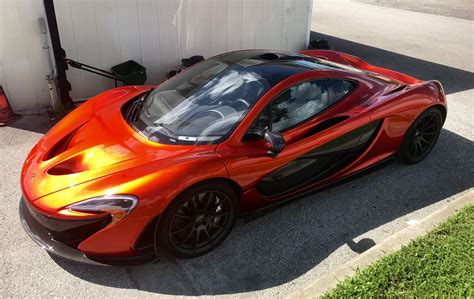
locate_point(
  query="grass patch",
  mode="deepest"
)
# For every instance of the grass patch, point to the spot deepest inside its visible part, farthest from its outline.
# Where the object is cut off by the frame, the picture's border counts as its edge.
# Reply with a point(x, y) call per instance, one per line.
point(440, 264)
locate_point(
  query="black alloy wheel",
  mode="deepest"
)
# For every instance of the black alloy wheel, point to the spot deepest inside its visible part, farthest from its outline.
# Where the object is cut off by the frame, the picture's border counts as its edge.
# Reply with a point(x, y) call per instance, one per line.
point(421, 137)
point(198, 220)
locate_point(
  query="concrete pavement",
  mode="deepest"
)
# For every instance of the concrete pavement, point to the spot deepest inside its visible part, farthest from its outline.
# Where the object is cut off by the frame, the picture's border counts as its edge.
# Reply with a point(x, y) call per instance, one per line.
point(461, 9)
point(388, 246)
point(304, 240)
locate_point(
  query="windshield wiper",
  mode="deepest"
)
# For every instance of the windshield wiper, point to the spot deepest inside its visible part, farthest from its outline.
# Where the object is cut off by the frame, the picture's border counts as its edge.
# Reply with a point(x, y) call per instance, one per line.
point(163, 127)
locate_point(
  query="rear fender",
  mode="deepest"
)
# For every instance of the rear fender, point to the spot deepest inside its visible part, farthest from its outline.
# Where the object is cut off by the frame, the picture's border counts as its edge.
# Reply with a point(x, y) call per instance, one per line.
point(408, 102)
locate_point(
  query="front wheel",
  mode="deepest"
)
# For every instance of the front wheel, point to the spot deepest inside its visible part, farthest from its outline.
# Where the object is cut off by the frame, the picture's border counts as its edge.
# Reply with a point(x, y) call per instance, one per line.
point(198, 220)
point(421, 137)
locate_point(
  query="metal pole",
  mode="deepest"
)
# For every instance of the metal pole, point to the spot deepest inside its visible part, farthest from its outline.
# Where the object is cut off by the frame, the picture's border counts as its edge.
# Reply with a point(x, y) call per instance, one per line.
point(59, 55)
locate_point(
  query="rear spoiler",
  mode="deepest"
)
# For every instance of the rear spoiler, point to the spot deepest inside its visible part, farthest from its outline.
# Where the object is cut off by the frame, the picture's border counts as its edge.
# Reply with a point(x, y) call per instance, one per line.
point(346, 59)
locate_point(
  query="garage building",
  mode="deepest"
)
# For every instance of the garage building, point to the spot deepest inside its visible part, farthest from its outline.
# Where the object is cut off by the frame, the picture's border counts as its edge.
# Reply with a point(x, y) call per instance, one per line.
point(154, 33)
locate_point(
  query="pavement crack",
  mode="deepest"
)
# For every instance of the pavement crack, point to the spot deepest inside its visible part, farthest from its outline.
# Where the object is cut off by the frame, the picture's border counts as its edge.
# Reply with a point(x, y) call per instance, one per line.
point(187, 272)
point(132, 280)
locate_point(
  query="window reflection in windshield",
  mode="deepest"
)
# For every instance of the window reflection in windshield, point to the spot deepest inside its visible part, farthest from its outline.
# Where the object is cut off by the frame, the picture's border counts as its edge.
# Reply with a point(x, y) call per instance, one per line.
point(201, 105)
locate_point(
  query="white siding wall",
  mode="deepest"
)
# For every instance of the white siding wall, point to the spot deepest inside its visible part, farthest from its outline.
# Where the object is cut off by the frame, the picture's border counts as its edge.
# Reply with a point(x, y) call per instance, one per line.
point(155, 33)
point(23, 61)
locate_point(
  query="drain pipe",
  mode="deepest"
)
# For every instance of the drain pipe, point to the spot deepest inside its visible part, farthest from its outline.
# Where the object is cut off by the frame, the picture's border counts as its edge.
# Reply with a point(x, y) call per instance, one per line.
point(58, 84)
point(51, 77)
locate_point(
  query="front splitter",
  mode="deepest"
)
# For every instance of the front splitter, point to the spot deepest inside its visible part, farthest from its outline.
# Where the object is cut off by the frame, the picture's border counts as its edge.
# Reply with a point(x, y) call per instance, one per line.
point(45, 240)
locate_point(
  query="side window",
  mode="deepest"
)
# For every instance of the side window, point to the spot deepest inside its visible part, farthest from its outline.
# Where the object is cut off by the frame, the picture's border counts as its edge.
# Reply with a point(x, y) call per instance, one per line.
point(338, 89)
point(298, 104)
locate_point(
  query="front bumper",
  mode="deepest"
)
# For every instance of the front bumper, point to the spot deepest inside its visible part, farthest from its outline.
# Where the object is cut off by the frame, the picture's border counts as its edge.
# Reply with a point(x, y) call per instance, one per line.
point(39, 229)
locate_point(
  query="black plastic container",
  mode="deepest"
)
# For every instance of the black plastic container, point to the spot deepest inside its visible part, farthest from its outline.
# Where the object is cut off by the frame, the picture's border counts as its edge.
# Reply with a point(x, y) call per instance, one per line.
point(130, 72)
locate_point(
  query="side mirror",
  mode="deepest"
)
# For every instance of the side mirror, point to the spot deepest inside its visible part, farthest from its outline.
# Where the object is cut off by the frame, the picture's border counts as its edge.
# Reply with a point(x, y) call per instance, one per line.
point(254, 135)
point(276, 141)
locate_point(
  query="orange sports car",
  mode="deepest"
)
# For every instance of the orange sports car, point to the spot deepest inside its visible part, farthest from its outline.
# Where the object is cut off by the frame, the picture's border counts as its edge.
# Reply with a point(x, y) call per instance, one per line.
point(138, 169)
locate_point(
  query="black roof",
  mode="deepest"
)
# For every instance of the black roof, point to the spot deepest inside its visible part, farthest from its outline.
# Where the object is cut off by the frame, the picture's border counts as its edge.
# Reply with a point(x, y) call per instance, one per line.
point(273, 66)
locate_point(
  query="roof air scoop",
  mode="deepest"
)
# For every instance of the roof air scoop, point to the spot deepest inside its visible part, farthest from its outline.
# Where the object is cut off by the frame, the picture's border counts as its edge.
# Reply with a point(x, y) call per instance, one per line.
point(269, 56)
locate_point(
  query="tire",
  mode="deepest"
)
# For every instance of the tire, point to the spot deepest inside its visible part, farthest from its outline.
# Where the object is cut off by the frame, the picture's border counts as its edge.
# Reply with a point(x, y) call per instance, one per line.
point(421, 137)
point(198, 220)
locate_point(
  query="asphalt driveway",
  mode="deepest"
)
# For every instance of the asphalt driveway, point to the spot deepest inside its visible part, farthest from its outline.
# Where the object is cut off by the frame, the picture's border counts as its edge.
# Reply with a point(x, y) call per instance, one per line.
point(274, 254)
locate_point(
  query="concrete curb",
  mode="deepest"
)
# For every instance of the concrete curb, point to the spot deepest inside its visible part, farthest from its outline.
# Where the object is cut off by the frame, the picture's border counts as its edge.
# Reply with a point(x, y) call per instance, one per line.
point(389, 245)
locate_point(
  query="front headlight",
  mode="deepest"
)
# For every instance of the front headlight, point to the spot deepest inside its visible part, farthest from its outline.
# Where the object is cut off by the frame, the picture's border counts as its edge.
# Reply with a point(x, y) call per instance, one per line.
point(118, 206)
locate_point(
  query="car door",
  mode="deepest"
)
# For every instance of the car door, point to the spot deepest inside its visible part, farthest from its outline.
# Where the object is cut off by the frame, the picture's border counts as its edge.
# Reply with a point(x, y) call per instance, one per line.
point(319, 138)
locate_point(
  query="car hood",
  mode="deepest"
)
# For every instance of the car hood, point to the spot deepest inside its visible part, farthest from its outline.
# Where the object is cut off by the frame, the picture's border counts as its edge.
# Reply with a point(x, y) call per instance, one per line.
point(92, 141)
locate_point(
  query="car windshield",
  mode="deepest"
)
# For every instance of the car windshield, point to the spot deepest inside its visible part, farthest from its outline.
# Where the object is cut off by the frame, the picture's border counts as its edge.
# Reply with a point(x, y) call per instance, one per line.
point(201, 105)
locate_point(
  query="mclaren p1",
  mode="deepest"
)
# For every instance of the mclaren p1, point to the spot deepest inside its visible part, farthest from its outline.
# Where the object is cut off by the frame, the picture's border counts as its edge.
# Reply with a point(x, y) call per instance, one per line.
point(138, 169)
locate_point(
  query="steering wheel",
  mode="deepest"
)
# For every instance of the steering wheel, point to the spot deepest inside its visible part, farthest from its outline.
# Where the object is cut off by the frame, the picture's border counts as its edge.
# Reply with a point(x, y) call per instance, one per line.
point(241, 104)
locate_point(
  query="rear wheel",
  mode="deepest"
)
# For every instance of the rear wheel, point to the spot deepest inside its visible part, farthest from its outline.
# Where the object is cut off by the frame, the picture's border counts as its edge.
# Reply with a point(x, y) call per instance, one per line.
point(421, 137)
point(198, 220)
